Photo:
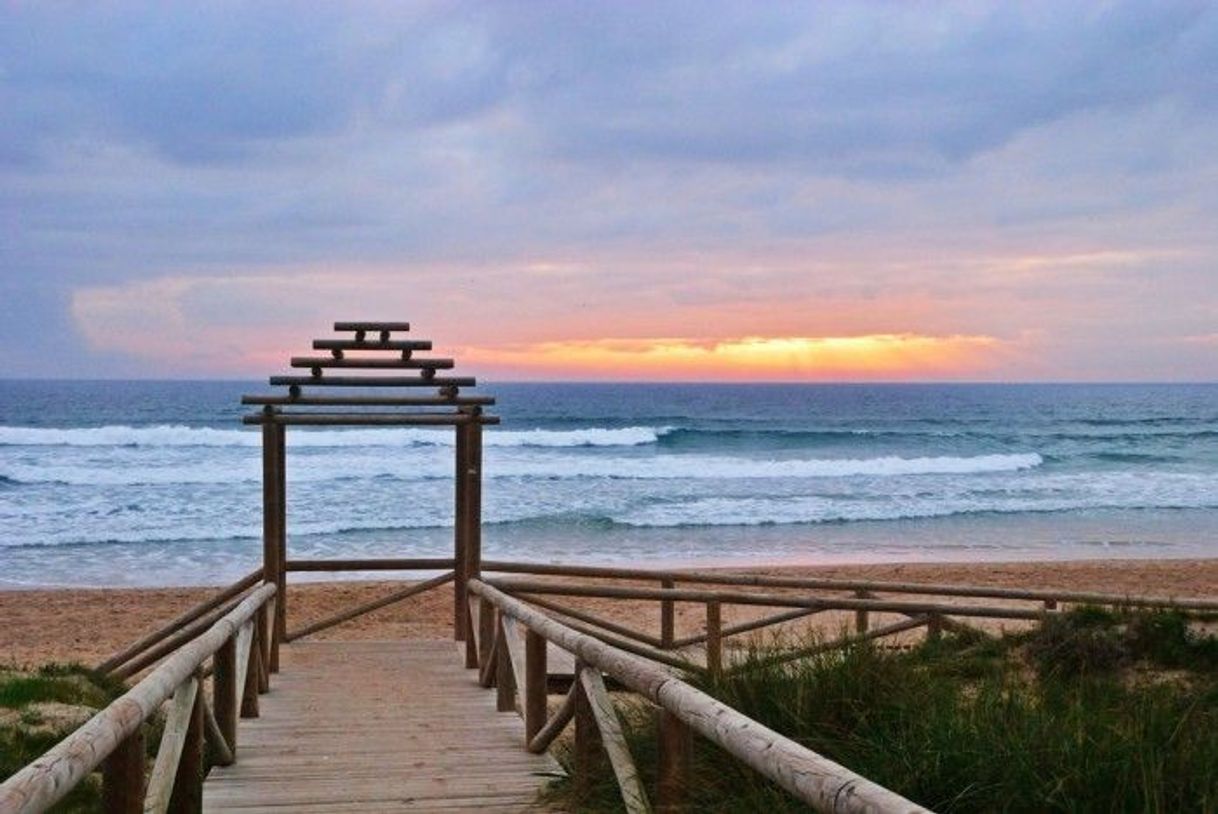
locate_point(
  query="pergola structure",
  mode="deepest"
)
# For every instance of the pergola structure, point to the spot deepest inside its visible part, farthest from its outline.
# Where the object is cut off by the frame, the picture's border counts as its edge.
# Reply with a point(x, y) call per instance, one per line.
point(396, 400)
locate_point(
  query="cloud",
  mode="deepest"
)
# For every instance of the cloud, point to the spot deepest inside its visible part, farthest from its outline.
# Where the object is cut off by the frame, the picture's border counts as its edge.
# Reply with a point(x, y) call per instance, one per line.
point(615, 170)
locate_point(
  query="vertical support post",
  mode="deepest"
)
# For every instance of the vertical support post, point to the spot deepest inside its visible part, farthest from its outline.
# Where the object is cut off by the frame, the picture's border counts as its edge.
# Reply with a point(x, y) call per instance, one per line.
point(270, 513)
point(281, 530)
point(536, 676)
point(486, 631)
point(471, 641)
point(505, 679)
point(224, 691)
point(862, 620)
point(253, 668)
point(263, 638)
point(676, 746)
point(187, 797)
point(586, 737)
point(123, 777)
point(460, 532)
point(473, 499)
point(667, 617)
point(714, 638)
point(934, 627)
point(1050, 604)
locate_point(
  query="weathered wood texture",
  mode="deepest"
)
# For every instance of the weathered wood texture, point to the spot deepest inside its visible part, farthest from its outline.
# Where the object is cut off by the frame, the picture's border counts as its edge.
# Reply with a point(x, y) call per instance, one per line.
point(812, 778)
point(45, 781)
point(378, 726)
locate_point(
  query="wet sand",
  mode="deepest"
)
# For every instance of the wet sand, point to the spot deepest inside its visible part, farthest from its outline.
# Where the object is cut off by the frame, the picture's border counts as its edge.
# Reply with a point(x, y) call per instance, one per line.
point(87, 625)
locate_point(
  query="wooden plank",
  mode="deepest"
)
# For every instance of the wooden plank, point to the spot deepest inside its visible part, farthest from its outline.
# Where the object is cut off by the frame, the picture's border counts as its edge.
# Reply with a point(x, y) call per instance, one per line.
point(378, 726)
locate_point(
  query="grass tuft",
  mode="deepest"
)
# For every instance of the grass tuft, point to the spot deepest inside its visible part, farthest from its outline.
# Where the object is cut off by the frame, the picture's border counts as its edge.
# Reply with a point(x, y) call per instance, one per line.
point(961, 724)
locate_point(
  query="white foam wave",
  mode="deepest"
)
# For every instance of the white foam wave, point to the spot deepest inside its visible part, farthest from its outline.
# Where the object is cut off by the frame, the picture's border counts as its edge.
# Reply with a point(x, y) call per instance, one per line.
point(183, 436)
point(511, 464)
point(699, 467)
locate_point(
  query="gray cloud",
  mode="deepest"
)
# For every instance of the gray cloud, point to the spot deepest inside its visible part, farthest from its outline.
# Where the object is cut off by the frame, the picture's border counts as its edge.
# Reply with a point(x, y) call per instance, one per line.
point(142, 141)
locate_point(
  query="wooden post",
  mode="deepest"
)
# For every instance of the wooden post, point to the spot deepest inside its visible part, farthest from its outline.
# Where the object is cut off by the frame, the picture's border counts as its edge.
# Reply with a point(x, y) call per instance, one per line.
point(486, 631)
point(584, 756)
point(473, 500)
point(505, 679)
point(714, 638)
point(281, 531)
point(253, 669)
point(1050, 604)
point(460, 531)
point(270, 514)
point(676, 746)
point(862, 620)
point(263, 639)
point(123, 777)
point(667, 617)
point(187, 797)
point(224, 691)
point(536, 678)
point(934, 627)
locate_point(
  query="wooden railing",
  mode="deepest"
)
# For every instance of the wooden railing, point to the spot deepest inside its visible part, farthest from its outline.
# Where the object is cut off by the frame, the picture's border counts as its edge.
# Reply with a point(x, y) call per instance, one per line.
point(236, 644)
point(522, 683)
point(933, 606)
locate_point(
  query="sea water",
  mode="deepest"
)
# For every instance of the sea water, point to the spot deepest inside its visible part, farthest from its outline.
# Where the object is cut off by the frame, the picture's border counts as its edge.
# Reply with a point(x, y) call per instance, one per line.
point(125, 483)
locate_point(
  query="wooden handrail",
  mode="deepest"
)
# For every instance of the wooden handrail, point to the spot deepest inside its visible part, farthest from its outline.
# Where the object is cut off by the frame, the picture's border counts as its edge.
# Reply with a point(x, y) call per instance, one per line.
point(810, 777)
point(45, 781)
point(377, 564)
point(770, 600)
point(140, 645)
point(763, 581)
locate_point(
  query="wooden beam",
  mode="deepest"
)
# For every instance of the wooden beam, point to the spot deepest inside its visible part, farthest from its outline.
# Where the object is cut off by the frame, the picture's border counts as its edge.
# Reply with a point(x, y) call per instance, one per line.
point(756, 624)
point(812, 778)
point(122, 777)
point(536, 686)
point(556, 723)
point(368, 607)
point(371, 326)
point(633, 797)
point(179, 621)
point(369, 419)
point(760, 580)
point(413, 363)
point(376, 381)
point(369, 401)
point(714, 638)
point(771, 600)
point(224, 691)
point(375, 344)
point(676, 746)
point(187, 795)
point(173, 742)
point(381, 564)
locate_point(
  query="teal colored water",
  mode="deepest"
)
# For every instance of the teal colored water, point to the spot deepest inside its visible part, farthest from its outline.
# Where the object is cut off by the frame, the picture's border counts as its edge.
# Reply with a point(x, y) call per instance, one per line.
point(157, 482)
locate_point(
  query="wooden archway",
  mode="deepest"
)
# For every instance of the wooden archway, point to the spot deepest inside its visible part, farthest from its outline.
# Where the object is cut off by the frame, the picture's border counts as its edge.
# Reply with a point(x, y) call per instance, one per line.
point(372, 346)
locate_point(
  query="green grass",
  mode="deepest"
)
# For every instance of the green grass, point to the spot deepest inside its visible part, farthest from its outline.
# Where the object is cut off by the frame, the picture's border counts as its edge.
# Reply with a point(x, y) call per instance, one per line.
point(1093, 712)
point(26, 737)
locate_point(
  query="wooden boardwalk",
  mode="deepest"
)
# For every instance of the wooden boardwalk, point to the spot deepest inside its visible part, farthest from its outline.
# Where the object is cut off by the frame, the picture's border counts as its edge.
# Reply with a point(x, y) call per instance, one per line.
point(378, 726)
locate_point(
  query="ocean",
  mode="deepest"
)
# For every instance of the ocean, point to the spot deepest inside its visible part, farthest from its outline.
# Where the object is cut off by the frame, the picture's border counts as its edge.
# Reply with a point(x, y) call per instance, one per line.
point(157, 483)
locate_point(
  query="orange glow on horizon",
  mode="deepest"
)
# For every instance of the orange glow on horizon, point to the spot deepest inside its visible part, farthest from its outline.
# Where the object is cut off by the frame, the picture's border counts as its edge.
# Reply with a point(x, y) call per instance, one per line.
point(754, 358)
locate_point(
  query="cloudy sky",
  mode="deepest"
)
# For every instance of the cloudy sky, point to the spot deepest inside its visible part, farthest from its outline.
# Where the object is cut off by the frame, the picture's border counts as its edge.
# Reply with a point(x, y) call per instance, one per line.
point(848, 190)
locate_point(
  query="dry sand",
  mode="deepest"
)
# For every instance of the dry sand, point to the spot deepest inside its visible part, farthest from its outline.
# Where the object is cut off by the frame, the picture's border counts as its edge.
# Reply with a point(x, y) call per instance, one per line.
point(88, 625)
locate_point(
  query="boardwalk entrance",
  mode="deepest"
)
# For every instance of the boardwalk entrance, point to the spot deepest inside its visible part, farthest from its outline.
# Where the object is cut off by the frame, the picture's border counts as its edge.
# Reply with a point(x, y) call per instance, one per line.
point(378, 726)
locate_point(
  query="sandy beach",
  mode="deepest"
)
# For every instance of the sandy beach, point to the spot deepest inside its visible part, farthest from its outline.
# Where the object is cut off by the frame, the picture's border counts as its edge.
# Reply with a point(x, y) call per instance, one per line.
point(89, 625)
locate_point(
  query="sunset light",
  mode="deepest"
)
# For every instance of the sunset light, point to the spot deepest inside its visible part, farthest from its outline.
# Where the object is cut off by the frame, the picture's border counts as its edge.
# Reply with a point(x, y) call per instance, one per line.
point(754, 358)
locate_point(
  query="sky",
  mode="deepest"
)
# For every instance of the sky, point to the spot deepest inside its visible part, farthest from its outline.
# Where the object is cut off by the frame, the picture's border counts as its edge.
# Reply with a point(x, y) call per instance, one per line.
point(614, 190)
